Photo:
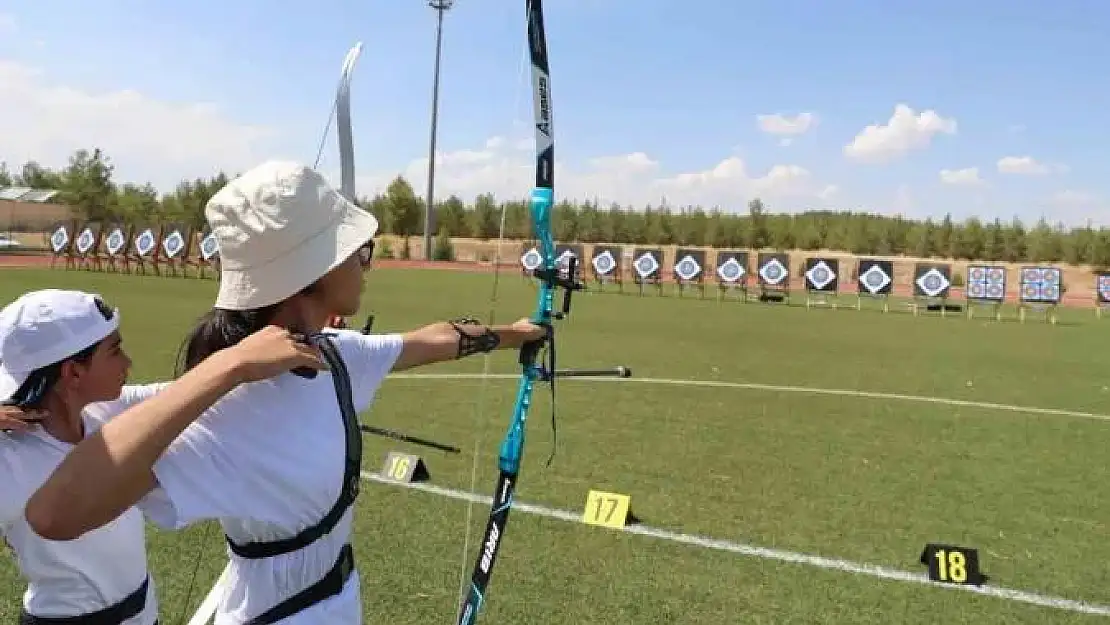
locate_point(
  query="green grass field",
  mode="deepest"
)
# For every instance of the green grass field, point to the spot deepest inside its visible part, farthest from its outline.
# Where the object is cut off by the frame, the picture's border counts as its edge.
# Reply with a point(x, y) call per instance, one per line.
point(867, 479)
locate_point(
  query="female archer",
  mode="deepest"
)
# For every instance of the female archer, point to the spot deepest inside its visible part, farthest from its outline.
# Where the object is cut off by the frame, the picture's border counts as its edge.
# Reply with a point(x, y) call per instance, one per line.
point(276, 461)
point(62, 374)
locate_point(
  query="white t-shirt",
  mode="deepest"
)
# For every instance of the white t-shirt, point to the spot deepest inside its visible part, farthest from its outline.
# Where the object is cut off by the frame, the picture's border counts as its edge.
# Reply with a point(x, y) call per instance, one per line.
point(101, 568)
point(267, 461)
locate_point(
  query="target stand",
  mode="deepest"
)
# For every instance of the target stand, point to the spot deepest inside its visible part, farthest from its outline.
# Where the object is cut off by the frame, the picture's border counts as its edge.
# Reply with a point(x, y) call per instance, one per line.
point(1102, 292)
point(209, 257)
point(774, 277)
point(1040, 292)
point(115, 246)
point(822, 282)
point(647, 269)
point(931, 286)
point(874, 280)
point(605, 265)
point(87, 246)
point(986, 288)
point(62, 242)
point(688, 271)
point(143, 251)
point(732, 273)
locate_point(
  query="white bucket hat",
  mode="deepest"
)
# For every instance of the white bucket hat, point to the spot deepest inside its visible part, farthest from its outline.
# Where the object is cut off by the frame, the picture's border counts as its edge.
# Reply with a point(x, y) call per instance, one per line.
point(280, 227)
point(44, 327)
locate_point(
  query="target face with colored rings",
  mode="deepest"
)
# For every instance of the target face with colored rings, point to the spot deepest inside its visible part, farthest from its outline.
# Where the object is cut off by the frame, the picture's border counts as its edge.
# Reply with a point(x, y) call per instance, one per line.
point(646, 265)
point(687, 268)
point(115, 242)
point(604, 262)
point(730, 270)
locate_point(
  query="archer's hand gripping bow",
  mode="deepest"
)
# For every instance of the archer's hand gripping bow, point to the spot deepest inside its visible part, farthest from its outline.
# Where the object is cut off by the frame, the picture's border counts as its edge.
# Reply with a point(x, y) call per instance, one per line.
point(551, 279)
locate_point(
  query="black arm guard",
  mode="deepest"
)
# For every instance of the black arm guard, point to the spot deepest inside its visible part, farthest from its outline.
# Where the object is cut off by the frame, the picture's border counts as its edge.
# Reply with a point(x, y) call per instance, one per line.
point(469, 343)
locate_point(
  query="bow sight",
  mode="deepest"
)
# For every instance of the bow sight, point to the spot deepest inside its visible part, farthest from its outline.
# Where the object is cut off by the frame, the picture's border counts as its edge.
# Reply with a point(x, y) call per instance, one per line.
point(553, 278)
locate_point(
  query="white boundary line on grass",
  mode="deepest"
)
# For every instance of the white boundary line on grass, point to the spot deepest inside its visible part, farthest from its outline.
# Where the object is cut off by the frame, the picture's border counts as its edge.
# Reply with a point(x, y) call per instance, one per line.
point(821, 562)
point(204, 613)
point(1059, 412)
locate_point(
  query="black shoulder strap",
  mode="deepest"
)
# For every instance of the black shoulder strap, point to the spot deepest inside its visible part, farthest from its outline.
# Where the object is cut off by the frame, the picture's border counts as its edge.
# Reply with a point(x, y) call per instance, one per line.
point(352, 466)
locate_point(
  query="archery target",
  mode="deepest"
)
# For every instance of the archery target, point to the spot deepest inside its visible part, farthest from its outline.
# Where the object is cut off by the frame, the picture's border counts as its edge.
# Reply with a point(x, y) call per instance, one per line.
point(931, 280)
point(605, 261)
point(1102, 288)
point(85, 241)
point(116, 241)
point(145, 242)
point(774, 269)
point(59, 239)
point(531, 260)
point(986, 283)
point(1040, 284)
point(876, 276)
point(647, 264)
point(732, 266)
point(689, 264)
point(209, 246)
point(821, 275)
point(563, 255)
point(173, 244)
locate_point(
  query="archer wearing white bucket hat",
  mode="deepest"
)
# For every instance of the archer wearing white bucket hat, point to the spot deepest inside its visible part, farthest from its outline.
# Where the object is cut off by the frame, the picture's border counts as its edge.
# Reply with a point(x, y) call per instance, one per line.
point(280, 227)
point(62, 376)
point(277, 462)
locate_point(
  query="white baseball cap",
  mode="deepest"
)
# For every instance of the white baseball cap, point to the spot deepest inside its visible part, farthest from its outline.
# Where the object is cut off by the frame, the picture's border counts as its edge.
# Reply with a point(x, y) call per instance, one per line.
point(280, 227)
point(44, 327)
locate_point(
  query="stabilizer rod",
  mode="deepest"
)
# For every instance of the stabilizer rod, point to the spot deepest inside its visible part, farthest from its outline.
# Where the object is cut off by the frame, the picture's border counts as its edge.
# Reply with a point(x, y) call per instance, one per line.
point(619, 371)
point(370, 429)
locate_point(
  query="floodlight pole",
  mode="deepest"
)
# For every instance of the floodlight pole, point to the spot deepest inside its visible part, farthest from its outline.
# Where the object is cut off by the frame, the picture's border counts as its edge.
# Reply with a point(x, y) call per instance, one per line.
point(429, 208)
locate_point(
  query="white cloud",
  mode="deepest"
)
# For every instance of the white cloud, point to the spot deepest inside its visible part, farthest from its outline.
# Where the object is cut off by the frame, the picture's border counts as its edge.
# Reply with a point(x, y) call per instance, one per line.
point(785, 127)
point(965, 176)
point(1024, 166)
point(147, 139)
point(779, 124)
point(904, 131)
point(506, 168)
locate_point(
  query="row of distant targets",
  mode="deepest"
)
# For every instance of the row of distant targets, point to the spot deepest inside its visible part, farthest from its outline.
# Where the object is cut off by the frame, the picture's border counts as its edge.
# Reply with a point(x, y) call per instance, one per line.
point(731, 266)
point(875, 276)
point(115, 244)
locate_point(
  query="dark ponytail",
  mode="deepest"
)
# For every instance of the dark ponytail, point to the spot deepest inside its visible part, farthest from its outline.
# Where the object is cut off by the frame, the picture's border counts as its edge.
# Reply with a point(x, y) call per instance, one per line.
point(219, 329)
point(34, 390)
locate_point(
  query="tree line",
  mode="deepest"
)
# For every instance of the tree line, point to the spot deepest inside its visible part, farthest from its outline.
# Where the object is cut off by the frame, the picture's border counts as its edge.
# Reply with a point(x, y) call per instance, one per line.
point(86, 184)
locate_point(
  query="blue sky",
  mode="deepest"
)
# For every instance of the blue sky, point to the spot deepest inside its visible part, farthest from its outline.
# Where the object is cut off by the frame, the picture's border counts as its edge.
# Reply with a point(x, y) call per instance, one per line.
point(677, 85)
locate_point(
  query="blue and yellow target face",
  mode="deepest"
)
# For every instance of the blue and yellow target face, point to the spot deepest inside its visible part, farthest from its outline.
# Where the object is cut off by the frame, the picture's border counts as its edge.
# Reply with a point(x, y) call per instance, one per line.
point(1102, 287)
point(1041, 284)
point(986, 283)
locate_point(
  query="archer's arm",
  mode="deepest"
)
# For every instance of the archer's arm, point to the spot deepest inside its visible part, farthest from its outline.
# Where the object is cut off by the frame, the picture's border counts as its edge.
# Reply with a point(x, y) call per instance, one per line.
point(111, 470)
point(441, 341)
